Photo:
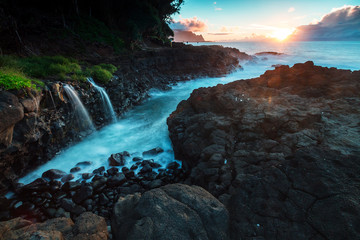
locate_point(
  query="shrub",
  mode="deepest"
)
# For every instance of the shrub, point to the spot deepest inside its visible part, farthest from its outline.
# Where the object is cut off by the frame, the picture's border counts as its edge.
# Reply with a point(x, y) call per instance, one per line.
point(111, 68)
point(11, 79)
point(100, 74)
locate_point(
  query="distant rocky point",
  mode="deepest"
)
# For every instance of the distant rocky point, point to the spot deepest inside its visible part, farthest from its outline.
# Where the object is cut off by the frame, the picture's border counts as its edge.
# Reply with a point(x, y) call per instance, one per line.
point(187, 36)
point(268, 53)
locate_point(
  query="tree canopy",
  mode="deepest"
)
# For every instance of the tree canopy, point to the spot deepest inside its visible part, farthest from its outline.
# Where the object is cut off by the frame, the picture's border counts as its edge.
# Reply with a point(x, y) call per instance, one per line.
point(135, 18)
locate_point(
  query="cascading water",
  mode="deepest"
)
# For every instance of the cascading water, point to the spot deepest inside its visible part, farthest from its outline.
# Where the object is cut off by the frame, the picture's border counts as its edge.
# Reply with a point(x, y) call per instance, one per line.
point(105, 99)
point(81, 113)
point(144, 127)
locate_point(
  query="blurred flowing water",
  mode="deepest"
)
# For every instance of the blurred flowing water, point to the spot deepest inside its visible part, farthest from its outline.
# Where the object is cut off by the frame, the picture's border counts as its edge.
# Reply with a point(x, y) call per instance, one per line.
point(144, 127)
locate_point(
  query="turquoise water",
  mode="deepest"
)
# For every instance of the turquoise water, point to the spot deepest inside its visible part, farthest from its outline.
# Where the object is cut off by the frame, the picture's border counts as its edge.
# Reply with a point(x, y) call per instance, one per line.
point(340, 54)
point(144, 127)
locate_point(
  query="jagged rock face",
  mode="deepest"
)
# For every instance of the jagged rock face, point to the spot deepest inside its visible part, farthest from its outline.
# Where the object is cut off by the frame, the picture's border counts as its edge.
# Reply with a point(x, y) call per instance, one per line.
point(280, 151)
point(87, 226)
point(174, 211)
point(36, 125)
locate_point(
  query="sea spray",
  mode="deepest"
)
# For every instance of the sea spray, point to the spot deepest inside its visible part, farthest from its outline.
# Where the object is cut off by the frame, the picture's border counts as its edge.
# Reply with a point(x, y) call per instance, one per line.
point(80, 111)
point(105, 100)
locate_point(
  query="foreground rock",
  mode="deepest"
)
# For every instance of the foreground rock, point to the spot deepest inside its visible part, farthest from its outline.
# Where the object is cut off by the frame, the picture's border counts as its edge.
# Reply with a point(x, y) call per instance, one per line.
point(87, 226)
point(280, 151)
point(171, 212)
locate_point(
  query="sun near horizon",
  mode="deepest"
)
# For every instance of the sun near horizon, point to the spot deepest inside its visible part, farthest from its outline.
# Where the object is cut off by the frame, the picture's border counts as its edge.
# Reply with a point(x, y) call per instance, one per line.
point(260, 20)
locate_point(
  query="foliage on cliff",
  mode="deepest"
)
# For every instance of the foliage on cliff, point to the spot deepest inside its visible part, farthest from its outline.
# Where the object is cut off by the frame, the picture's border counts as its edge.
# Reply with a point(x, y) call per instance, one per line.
point(24, 72)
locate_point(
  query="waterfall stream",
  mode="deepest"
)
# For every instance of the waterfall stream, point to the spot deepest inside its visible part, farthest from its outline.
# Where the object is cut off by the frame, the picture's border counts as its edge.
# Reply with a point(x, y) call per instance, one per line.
point(82, 115)
point(105, 100)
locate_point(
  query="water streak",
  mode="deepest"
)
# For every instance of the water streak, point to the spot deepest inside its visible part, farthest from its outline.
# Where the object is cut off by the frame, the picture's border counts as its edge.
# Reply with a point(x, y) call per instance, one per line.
point(80, 111)
point(105, 100)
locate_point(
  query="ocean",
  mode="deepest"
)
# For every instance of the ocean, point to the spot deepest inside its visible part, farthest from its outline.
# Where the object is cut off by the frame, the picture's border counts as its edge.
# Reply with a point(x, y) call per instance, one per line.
point(144, 127)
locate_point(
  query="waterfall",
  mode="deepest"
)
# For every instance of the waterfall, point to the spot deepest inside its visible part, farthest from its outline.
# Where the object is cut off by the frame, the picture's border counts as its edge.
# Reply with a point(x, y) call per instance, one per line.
point(105, 100)
point(81, 113)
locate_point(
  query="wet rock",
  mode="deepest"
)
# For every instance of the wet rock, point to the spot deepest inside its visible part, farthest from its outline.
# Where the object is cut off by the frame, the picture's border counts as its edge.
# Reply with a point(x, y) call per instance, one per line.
point(116, 180)
point(67, 178)
point(53, 174)
point(68, 205)
point(70, 186)
point(179, 210)
point(112, 171)
point(83, 193)
point(134, 167)
point(99, 183)
point(137, 159)
point(153, 152)
point(84, 164)
point(173, 165)
point(99, 170)
point(38, 185)
point(75, 169)
point(87, 175)
point(118, 159)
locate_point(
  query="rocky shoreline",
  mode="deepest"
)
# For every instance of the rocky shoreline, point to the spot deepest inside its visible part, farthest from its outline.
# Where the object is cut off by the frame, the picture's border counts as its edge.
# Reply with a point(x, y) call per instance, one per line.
point(275, 157)
point(280, 151)
point(36, 125)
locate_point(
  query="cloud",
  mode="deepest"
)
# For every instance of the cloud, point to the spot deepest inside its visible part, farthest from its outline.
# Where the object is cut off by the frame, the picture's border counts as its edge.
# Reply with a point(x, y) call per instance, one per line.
point(292, 9)
point(220, 34)
point(189, 24)
point(227, 29)
point(218, 9)
point(340, 24)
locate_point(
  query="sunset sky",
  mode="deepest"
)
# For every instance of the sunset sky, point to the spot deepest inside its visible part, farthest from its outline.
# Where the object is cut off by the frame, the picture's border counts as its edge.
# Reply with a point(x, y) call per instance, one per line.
point(231, 20)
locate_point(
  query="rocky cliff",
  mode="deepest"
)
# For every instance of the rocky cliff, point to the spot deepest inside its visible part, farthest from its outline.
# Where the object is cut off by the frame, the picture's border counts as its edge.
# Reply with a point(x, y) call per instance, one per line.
point(280, 151)
point(34, 125)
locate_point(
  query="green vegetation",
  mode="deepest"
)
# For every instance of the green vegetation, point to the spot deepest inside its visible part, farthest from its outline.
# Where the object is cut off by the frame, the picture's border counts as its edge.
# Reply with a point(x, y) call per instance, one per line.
point(11, 79)
point(18, 73)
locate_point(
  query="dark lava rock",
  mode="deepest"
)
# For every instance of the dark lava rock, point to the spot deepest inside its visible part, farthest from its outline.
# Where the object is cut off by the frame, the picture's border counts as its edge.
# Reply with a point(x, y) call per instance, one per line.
point(118, 159)
point(99, 170)
point(173, 165)
point(70, 186)
point(38, 185)
point(83, 193)
point(281, 151)
point(68, 205)
point(116, 180)
point(87, 175)
point(83, 164)
point(180, 211)
point(136, 159)
point(153, 152)
point(53, 174)
point(75, 169)
point(67, 178)
point(98, 182)
point(268, 53)
point(112, 171)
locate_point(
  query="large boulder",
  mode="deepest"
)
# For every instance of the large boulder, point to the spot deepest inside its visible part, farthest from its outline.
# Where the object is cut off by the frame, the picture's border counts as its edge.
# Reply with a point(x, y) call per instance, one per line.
point(281, 151)
point(11, 112)
point(88, 226)
point(174, 211)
